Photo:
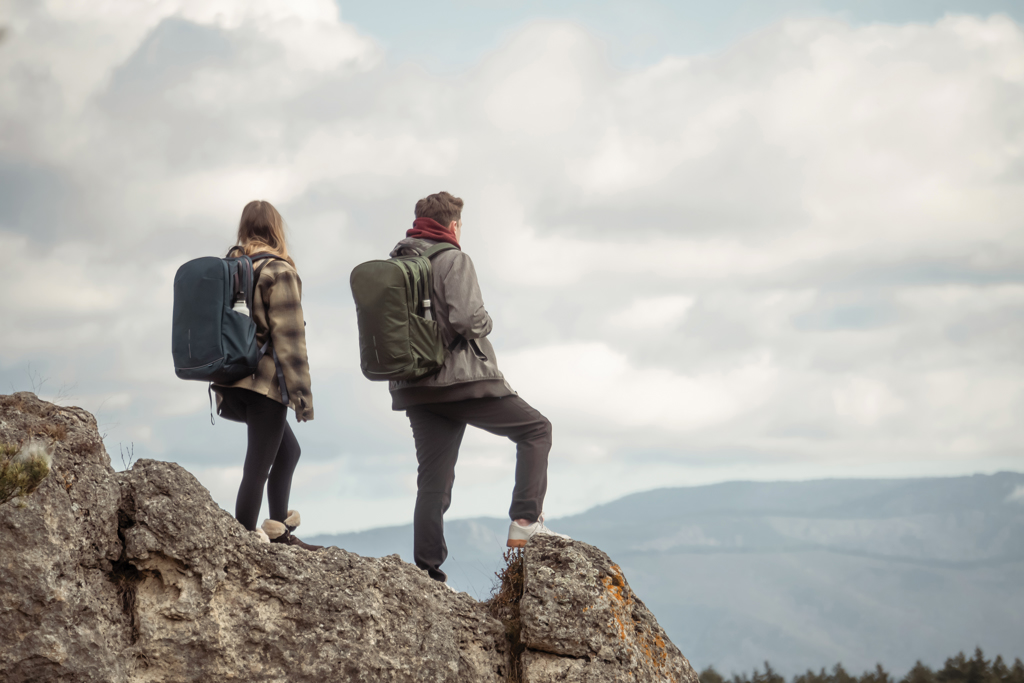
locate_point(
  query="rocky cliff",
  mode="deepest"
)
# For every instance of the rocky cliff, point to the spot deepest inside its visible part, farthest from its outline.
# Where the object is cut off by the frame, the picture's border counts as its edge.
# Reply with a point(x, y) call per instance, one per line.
point(139, 576)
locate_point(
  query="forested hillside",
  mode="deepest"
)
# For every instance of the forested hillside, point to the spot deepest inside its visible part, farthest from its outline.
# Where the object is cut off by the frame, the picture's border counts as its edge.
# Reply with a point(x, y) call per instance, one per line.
point(958, 669)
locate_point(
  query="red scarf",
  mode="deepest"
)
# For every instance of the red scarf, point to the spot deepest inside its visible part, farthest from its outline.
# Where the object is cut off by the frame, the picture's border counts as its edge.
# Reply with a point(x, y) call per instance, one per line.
point(429, 229)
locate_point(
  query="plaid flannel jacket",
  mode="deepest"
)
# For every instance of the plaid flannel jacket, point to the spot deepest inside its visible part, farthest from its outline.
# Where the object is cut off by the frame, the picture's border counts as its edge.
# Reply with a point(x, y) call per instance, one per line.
point(277, 311)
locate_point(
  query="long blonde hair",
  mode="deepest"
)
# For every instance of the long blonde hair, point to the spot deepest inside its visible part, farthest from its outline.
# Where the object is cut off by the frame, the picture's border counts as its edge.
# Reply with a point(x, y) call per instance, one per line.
point(261, 229)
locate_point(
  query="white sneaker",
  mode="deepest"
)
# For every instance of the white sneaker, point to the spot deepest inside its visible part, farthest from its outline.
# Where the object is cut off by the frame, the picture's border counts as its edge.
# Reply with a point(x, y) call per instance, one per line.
point(519, 535)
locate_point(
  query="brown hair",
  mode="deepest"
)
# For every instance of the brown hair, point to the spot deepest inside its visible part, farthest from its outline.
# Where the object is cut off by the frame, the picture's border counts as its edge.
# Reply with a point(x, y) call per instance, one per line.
point(442, 207)
point(260, 229)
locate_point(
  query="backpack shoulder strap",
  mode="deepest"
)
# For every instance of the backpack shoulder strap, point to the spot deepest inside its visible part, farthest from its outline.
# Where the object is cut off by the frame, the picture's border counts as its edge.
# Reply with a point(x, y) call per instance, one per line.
point(266, 258)
point(438, 248)
point(265, 254)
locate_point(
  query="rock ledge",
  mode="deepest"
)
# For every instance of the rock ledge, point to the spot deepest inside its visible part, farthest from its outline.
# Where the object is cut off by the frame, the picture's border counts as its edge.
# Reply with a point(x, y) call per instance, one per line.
point(139, 576)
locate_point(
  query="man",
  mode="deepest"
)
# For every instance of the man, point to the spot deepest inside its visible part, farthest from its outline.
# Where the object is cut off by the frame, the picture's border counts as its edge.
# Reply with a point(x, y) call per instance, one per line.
point(468, 390)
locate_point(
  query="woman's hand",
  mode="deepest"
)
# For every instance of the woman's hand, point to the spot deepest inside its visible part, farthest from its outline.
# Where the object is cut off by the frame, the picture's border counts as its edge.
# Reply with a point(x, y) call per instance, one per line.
point(303, 412)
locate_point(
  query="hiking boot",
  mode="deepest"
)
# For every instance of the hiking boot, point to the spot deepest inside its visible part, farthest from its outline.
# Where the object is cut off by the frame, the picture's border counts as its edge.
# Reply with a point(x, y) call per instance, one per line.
point(519, 535)
point(279, 532)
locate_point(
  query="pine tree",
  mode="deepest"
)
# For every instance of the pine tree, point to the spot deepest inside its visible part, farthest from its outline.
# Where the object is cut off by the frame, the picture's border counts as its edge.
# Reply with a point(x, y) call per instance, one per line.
point(1000, 672)
point(1017, 672)
point(769, 675)
point(955, 670)
point(919, 674)
point(709, 675)
point(879, 675)
point(978, 670)
point(811, 677)
point(839, 675)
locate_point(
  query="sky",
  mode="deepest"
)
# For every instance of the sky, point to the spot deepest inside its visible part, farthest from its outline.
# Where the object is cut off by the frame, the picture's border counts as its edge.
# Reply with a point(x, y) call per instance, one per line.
point(719, 241)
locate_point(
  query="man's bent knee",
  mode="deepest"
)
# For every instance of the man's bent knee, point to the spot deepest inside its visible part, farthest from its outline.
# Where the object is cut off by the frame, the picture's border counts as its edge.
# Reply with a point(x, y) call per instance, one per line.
point(540, 430)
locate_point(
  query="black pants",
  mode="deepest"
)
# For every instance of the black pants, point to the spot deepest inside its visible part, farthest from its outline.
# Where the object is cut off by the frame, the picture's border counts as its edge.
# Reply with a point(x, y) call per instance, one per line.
point(270, 457)
point(438, 429)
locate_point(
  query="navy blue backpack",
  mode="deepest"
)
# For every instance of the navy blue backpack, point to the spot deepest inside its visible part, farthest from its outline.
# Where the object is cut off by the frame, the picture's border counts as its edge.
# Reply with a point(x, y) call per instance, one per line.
point(213, 335)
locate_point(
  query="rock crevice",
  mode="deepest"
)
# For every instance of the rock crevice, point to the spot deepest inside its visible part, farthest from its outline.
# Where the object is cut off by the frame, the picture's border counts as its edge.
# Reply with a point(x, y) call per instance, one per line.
point(139, 576)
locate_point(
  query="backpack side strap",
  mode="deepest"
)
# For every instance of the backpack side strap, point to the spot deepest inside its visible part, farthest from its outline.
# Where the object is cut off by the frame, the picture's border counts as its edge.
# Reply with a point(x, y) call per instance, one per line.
point(267, 346)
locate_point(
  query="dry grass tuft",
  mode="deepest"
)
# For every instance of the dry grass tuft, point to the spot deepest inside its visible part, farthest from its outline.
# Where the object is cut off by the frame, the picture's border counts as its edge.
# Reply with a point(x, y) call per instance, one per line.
point(504, 606)
point(22, 470)
point(57, 432)
point(13, 403)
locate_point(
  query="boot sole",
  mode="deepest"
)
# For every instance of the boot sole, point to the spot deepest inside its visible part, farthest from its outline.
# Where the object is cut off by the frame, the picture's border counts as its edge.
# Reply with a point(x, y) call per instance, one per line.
point(515, 543)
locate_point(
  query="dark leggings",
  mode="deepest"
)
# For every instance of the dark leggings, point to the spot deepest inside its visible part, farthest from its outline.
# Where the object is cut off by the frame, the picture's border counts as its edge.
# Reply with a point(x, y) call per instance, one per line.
point(270, 458)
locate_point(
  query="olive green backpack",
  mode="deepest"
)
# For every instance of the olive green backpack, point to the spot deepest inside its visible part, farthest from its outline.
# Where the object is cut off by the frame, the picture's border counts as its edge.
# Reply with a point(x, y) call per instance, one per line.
point(398, 336)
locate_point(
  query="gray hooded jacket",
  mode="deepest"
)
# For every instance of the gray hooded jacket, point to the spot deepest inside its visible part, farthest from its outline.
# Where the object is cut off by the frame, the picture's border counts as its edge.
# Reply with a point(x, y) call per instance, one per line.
point(470, 368)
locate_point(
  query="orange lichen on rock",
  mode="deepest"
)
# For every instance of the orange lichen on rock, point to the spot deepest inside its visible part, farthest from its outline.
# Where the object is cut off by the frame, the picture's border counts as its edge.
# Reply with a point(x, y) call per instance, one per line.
point(651, 645)
point(614, 584)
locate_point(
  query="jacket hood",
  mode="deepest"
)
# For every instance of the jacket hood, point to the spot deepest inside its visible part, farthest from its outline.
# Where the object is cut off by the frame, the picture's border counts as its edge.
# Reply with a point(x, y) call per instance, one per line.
point(411, 246)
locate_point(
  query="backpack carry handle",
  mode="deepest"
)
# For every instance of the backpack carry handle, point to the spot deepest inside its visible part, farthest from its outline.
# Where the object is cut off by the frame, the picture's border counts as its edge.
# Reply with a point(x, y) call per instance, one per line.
point(239, 275)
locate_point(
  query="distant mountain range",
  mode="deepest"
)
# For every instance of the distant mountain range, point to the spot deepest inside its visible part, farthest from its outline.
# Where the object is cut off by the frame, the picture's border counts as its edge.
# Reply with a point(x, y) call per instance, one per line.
point(802, 574)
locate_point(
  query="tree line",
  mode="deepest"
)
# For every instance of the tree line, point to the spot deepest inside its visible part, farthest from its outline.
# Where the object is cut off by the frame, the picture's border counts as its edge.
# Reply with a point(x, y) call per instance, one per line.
point(958, 669)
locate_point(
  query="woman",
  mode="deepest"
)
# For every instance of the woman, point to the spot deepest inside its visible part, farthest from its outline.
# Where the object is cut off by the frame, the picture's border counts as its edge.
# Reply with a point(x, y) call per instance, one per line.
point(258, 400)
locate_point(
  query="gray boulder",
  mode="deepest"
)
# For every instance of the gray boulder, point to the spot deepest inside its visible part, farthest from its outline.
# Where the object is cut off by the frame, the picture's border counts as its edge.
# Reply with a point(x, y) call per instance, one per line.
point(139, 576)
point(61, 616)
point(582, 622)
point(214, 603)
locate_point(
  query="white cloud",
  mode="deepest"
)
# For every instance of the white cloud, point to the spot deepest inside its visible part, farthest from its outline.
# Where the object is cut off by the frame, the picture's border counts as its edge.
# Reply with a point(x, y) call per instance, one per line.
point(334, 153)
point(222, 483)
point(866, 401)
point(540, 84)
point(652, 314)
point(57, 284)
point(602, 388)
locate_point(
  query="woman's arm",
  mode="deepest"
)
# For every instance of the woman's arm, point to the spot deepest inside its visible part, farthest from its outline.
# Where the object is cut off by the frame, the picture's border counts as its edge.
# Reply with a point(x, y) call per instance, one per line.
point(288, 339)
